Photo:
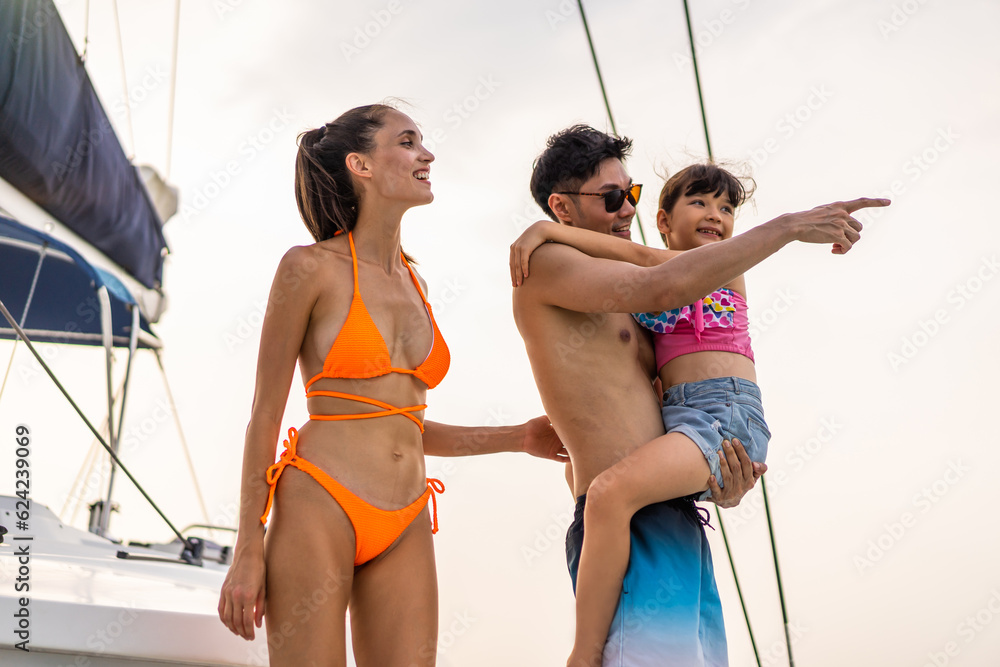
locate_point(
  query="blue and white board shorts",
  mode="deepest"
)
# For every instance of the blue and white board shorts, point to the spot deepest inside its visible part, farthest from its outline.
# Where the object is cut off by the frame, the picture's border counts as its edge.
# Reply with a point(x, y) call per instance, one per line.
point(669, 613)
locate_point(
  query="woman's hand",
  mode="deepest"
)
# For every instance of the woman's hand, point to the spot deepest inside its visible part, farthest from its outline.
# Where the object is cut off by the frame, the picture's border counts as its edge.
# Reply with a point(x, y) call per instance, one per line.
point(241, 603)
point(540, 440)
point(739, 474)
point(521, 249)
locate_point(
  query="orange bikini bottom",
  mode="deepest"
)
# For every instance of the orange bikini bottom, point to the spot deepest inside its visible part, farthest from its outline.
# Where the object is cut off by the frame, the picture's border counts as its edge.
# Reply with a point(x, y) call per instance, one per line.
point(374, 529)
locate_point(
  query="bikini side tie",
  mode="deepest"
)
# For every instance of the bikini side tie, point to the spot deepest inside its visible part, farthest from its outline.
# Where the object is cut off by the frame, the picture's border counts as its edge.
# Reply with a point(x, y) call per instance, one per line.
point(435, 486)
point(274, 470)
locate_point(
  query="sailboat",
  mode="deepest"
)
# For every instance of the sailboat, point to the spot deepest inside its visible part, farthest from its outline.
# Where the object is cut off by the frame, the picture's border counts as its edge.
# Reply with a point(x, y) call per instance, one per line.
point(81, 263)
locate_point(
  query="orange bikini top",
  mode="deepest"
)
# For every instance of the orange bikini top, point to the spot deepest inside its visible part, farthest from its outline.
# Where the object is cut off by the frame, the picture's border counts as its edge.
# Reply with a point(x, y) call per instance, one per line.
point(359, 351)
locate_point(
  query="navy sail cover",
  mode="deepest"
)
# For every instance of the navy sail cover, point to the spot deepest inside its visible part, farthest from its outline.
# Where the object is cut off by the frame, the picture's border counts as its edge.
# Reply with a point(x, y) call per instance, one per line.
point(58, 147)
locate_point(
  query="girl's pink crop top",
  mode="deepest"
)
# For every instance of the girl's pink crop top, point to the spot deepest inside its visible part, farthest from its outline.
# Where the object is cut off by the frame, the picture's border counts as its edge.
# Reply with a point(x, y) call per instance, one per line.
point(718, 322)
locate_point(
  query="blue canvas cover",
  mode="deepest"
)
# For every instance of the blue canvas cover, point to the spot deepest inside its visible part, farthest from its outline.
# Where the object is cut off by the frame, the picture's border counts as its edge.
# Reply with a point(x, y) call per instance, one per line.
point(64, 306)
point(58, 147)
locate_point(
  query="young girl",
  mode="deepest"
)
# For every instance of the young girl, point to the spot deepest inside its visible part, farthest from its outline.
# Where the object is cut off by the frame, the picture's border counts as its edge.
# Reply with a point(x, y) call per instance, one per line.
point(706, 369)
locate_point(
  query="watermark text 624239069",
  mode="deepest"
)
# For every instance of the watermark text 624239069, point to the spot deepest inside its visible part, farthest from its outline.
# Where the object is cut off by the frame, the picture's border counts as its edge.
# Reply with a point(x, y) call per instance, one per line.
point(22, 542)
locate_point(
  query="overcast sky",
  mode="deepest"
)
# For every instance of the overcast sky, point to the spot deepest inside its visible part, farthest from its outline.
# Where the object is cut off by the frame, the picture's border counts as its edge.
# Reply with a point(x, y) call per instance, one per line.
point(878, 368)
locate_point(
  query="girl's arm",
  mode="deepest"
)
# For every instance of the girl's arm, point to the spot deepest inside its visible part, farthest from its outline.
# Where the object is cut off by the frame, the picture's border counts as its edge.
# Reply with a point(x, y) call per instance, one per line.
point(590, 243)
point(535, 437)
point(290, 302)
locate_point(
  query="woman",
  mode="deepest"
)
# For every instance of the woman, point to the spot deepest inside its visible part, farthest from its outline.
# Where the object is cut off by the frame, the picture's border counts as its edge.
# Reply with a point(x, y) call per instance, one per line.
point(354, 314)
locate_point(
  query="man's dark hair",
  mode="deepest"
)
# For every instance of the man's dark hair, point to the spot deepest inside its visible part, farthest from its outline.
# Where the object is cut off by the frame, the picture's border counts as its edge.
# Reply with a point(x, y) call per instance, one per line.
point(571, 157)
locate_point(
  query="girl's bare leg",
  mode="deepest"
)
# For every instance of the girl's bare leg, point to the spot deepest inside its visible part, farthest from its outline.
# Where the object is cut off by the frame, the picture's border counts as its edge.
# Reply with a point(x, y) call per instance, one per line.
point(671, 466)
point(394, 605)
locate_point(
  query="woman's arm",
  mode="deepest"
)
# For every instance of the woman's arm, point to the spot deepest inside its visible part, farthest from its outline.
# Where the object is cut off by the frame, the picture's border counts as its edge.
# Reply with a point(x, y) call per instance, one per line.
point(290, 302)
point(590, 243)
point(535, 437)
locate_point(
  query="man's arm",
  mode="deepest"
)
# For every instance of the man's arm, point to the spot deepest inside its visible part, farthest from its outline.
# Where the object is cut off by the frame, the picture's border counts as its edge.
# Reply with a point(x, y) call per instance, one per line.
point(565, 277)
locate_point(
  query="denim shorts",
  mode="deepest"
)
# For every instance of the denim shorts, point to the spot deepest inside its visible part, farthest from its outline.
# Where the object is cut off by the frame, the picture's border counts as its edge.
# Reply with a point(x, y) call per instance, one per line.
point(714, 410)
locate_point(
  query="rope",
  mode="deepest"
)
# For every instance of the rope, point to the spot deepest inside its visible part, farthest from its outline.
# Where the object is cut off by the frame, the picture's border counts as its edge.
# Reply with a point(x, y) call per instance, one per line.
point(770, 528)
point(86, 31)
point(128, 102)
point(24, 316)
point(173, 95)
point(739, 591)
point(88, 462)
point(708, 145)
point(697, 79)
point(777, 573)
point(604, 94)
point(180, 431)
point(114, 457)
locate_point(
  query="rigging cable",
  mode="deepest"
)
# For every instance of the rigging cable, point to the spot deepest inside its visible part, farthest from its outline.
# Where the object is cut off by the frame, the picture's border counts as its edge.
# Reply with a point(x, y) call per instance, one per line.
point(604, 94)
point(100, 439)
point(86, 31)
point(180, 431)
point(128, 101)
point(173, 90)
point(763, 484)
point(24, 316)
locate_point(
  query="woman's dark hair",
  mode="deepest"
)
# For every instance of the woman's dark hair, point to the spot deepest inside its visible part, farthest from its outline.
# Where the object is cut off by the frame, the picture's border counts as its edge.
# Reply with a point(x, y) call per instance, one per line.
point(324, 189)
point(702, 179)
point(570, 158)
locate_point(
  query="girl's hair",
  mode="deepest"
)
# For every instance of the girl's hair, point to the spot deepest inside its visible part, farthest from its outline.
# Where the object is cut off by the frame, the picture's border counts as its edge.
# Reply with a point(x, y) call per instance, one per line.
point(324, 189)
point(700, 179)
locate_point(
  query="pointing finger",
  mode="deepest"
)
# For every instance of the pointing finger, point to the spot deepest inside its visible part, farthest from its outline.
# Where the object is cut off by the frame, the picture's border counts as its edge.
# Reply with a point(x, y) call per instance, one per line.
point(864, 202)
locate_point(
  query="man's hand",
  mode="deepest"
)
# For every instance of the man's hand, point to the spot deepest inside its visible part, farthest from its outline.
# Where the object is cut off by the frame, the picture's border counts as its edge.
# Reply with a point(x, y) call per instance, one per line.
point(540, 440)
point(831, 223)
point(739, 474)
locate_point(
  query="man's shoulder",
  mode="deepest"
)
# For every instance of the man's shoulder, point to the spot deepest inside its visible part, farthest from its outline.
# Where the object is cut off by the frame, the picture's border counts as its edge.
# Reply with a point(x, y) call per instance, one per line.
point(551, 268)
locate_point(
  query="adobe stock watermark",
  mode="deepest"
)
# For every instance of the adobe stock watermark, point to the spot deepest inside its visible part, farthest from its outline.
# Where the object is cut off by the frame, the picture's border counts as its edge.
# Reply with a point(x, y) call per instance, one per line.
point(554, 532)
point(461, 111)
point(777, 479)
point(223, 7)
point(103, 639)
point(709, 30)
point(923, 502)
point(307, 605)
point(790, 123)
point(913, 169)
point(543, 539)
point(967, 630)
point(471, 445)
point(32, 25)
point(776, 655)
point(364, 35)
point(529, 214)
point(927, 329)
point(560, 14)
point(765, 318)
point(898, 17)
point(223, 178)
point(447, 638)
point(152, 78)
point(246, 326)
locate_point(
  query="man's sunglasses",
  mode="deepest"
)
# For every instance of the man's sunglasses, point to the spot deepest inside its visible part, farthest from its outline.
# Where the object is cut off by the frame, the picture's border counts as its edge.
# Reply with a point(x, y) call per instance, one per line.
point(613, 199)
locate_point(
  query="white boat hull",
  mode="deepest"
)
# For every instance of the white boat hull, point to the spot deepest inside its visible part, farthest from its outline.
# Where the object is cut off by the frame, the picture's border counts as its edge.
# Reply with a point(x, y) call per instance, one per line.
point(87, 607)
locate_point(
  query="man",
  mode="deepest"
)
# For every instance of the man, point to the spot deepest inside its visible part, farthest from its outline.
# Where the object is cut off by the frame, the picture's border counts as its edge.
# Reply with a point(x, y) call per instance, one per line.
point(594, 368)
